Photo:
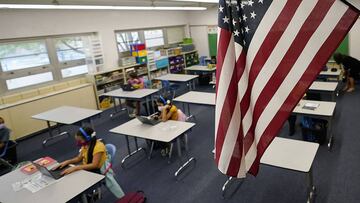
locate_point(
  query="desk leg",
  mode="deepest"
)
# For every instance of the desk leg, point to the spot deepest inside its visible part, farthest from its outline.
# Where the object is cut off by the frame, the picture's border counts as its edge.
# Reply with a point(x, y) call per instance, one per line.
point(186, 164)
point(189, 112)
point(330, 133)
point(147, 106)
point(193, 83)
point(130, 154)
point(311, 187)
point(230, 181)
point(52, 136)
point(116, 110)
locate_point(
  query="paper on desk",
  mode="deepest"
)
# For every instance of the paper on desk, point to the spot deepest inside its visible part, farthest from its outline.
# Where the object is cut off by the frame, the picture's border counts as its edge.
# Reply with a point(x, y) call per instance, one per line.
point(38, 182)
point(311, 105)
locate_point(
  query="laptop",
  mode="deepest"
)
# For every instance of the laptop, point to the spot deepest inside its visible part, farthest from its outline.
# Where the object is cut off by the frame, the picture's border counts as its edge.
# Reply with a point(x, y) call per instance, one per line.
point(150, 120)
point(127, 87)
point(56, 174)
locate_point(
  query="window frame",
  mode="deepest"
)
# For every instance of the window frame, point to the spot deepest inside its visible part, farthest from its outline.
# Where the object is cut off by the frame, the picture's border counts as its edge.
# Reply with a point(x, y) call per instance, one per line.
point(54, 66)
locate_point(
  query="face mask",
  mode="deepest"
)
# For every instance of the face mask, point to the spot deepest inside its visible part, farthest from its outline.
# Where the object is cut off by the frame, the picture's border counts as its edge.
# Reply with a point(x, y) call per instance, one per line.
point(161, 108)
point(2, 125)
point(80, 143)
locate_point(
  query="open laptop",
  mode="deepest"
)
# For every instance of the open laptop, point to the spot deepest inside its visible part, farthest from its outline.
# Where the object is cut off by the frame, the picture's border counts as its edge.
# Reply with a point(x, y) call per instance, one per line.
point(56, 174)
point(150, 120)
point(127, 87)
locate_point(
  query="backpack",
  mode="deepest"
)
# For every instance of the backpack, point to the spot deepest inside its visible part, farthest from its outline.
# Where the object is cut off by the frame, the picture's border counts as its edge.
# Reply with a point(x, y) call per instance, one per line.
point(133, 197)
point(313, 130)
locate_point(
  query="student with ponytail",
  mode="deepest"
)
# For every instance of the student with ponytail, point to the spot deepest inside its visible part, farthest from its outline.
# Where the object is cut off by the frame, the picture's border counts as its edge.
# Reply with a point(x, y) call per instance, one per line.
point(93, 157)
point(92, 153)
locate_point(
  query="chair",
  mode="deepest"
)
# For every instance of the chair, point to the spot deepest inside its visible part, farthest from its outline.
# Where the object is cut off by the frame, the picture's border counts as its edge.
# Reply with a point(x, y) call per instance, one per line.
point(169, 89)
point(111, 149)
point(4, 150)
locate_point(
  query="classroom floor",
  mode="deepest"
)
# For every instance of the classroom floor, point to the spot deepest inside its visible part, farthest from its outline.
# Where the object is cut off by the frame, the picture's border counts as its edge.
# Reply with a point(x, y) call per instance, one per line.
point(336, 173)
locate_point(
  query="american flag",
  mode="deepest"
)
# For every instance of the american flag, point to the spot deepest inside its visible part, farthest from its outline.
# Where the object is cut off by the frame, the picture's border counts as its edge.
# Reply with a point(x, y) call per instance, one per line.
point(269, 53)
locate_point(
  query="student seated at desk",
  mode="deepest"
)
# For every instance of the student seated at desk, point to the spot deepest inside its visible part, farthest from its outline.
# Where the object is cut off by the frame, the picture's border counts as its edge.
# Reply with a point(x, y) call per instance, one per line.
point(168, 111)
point(93, 157)
point(137, 83)
point(352, 68)
point(4, 135)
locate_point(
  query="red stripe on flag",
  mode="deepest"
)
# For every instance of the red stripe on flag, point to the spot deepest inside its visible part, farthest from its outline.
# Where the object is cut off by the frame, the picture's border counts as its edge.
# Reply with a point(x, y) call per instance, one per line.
point(237, 153)
point(224, 40)
point(307, 30)
point(308, 77)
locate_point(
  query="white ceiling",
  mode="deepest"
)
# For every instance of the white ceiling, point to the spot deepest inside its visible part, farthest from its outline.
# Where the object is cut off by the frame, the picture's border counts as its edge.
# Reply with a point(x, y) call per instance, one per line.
point(110, 2)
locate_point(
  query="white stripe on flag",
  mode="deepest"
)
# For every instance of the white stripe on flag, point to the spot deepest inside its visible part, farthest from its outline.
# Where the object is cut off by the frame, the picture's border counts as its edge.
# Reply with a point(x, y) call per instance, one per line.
point(329, 23)
point(233, 130)
point(224, 81)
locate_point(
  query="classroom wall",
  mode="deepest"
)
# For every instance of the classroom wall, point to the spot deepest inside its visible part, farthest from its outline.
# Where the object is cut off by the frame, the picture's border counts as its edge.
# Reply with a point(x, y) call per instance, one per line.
point(198, 23)
point(32, 23)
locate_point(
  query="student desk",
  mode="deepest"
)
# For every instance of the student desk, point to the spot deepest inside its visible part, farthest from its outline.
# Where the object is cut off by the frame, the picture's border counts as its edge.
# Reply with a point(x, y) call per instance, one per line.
point(192, 97)
point(325, 110)
point(325, 87)
point(330, 74)
point(138, 95)
point(179, 78)
point(163, 132)
point(291, 155)
point(63, 190)
point(200, 69)
point(68, 115)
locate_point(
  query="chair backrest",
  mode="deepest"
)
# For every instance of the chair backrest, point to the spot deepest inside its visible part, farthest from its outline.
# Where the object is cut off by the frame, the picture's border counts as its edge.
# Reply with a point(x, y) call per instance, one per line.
point(111, 150)
point(3, 152)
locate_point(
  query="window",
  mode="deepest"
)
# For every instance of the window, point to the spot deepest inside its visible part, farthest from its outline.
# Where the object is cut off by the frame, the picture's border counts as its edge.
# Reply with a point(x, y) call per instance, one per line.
point(77, 70)
point(69, 49)
point(21, 55)
point(71, 55)
point(154, 38)
point(124, 39)
point(29, 80)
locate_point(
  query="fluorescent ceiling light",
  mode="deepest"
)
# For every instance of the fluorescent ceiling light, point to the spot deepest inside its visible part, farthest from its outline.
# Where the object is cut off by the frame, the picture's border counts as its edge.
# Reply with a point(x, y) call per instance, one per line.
point(200, 1)
point(90, 7)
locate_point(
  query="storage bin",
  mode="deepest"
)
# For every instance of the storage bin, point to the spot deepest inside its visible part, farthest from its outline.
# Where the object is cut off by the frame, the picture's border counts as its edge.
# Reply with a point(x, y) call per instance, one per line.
point(137, 47)
point(162, 63)
point(141, 60)
point(187, 41)
point(140, 53)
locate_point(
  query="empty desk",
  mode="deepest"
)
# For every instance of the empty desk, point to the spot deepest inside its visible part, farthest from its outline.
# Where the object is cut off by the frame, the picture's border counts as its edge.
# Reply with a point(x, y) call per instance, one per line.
point(292, 155)
point(163, 132)
point(325, 111)
point(68, 115)
point(325, 87)
point(180, 78)
point(138, 95)
point(192, 97)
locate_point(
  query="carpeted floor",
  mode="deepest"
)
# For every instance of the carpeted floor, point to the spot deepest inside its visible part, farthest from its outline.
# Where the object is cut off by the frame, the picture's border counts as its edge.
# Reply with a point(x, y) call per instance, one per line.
point(336, 173)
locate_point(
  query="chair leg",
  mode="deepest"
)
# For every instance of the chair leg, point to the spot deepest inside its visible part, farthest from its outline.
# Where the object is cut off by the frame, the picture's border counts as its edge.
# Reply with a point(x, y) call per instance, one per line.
point(171, 150)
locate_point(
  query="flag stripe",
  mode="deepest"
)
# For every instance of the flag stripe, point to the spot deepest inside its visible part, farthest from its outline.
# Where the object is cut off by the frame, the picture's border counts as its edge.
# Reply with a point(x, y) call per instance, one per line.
point(314, 54)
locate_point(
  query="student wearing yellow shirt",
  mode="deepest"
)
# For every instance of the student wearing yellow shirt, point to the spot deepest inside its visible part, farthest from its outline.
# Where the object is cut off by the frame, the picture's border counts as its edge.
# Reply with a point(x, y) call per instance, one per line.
point(92, 153)
point(92, 157)
point(168, 110)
